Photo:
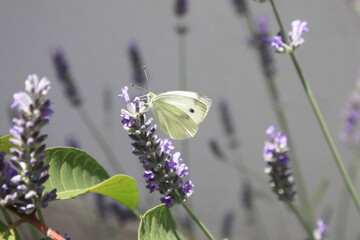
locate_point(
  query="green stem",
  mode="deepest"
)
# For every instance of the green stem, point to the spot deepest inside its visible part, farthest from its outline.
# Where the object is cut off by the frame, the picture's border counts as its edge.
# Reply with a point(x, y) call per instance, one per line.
point(136, 212)
point(100, 140)
point(319, 117)
point(41, 216)
point(198, 222)
point(278, 19)
point(340, 164)
point(306, 227)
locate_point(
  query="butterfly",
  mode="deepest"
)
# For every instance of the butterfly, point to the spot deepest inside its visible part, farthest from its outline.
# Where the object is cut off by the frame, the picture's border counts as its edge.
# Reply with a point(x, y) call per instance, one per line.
point(179, 113)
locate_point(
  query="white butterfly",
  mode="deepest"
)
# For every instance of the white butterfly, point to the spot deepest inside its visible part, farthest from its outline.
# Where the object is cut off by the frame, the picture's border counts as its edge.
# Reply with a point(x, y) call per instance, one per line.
point(179, 113)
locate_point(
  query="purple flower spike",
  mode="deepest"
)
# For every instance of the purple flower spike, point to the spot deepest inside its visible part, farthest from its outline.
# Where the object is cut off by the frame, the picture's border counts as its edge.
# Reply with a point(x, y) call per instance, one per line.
point(164, 170)
point(351, 116)
point(22, 182)
point(181, 7)
point(63, 73)
point(277, 160)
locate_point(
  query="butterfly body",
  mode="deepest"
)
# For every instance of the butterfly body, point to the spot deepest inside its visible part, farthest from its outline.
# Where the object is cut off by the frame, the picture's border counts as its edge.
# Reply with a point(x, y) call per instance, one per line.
point(179, 113)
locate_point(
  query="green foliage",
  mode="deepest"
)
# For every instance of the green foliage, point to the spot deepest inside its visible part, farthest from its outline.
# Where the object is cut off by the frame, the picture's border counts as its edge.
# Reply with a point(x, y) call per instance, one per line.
point(158, 224)
point(9, 235)
point(74, 172)
point(5, 144)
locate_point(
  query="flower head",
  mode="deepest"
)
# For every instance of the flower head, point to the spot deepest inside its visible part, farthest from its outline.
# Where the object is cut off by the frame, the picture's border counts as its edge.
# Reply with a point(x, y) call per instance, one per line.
point(261, 41)
point(181, 7)
point(240, 6)
point(351, 115)
point(299, 27)
point(23, 180)
point(164, 170)
point(63, 74)
point(277, 159)
point(137, 64)
point(321, 230)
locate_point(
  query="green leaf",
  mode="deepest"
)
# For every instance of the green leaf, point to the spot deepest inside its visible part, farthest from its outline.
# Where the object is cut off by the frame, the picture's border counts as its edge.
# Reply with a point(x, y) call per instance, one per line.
point(158, 224)
point(5, 144)
point(74, 172)
point(121, 188)
point(10, 235)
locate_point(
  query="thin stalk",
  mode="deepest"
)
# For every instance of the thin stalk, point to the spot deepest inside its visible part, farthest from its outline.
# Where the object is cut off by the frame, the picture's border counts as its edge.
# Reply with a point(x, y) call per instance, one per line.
point(100, 140)
point(344, 201)
point(198, 222)
point(340, 164)
point(306, 227)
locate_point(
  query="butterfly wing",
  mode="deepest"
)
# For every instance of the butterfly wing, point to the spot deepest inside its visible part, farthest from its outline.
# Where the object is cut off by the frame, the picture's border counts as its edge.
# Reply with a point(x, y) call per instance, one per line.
point(180, 112)
point(173, 121)
point(194, 105)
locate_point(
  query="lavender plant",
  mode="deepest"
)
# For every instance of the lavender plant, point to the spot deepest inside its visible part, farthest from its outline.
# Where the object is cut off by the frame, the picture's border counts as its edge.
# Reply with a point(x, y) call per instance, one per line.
point(23, 188)
point(163, 170)
point(289, 44)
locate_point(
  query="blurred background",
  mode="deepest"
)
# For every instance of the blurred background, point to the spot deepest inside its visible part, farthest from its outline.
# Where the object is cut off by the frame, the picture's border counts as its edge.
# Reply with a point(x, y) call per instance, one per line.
point(209, 50)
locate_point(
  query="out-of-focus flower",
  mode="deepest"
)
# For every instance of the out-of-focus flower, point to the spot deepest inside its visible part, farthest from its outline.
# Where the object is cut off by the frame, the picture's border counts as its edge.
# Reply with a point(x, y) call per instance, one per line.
point(137, 64)
point(181, 7)
point(228, 124)
point(227, 225)
point(321, 230)
point(351, 115)
point(164, 170)
point(22, 183)
point(72, 141)
point(240, 6)
point(299, 27)
point(277, 160)
point(216, 149)
point(63, 74)
point(261, 41)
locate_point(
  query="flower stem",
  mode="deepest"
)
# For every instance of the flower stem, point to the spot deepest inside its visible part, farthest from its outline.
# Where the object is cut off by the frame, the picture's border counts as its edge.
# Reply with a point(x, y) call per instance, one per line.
point(301, 219)
point(198, 222)
point(278, 19)
point(319, 117)
point(340, 164)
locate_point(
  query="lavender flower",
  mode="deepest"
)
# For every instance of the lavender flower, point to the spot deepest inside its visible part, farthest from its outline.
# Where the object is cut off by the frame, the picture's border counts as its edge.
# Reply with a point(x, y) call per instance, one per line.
point(240, 6)
point(276, 157)
point(63, 73)
point(138, 76)
point(321, 230)
point(22, 183)
point(181, 7)
point(163, 170)
point(228, 223)
point(228, 124)
point(247, 197)
point(216, 149)
point(261, 42)
point(295, 38)
point(351, 115)
point(71, 140)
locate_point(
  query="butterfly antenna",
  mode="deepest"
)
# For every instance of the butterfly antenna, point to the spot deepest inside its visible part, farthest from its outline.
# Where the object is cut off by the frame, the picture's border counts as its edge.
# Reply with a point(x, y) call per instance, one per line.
point(146, 76)
point(147, 80)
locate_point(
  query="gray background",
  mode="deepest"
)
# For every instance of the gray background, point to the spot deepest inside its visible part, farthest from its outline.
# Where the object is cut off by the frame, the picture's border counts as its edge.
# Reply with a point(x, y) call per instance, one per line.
point(95, 36)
